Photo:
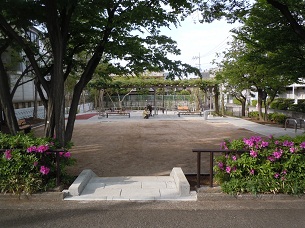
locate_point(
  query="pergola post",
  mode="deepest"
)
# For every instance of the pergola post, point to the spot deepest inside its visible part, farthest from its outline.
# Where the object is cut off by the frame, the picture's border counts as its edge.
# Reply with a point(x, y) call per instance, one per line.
point(155, 108)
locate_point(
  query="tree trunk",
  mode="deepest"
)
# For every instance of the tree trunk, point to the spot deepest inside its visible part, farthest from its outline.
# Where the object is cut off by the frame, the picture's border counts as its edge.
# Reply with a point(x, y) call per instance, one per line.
point(35, 101)
point(243, 107)
point(222, 104)
point(216, 92)
point(6, 101)
point(266, 110)
point(260, 103)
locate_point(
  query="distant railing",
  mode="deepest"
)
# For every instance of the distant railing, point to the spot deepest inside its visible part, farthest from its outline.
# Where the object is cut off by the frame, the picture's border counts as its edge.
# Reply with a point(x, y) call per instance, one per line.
point(295, 123)
point(211, 151)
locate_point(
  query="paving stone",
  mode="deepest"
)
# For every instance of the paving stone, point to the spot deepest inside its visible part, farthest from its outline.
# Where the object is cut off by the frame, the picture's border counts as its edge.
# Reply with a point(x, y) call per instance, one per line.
point(153, 184)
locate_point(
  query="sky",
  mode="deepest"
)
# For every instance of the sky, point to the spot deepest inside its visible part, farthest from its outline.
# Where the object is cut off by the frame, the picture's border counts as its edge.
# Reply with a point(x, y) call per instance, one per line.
point(204, 40)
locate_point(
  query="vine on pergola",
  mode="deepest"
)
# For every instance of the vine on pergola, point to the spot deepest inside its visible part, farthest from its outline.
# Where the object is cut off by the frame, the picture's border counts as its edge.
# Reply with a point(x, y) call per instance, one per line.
point(120, 82)
point(148, 82)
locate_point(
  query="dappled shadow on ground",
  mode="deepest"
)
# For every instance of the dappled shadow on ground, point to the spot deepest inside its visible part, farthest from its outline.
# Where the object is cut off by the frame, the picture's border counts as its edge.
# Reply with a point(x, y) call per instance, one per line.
point(146, 148)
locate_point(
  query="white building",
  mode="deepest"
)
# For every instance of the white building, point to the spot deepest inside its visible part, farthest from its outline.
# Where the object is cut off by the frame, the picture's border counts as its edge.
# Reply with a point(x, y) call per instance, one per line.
point(295, 92)
point(24, 96)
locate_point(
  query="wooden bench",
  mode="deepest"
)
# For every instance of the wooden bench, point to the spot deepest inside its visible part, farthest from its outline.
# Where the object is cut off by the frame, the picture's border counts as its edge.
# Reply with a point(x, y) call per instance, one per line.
point(24, 126)
point(189, 113)
point(183, 108)
point(118, 113)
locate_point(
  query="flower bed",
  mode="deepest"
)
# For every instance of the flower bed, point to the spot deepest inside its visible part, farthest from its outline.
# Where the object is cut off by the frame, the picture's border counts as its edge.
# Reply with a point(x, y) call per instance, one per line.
point(270, 166)
point(27, 165)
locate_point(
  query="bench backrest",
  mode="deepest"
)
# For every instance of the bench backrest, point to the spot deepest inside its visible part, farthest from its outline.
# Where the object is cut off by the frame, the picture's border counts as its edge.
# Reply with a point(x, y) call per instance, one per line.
point(183, 108)
point(21, 122)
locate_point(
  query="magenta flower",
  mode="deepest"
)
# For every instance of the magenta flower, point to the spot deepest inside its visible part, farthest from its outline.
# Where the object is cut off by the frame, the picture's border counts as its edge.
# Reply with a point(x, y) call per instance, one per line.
point(223, 146)
point(284, 172)
point(35, 163)
point(276, 175)
point(248, 142)
point(253, 153)
point(42, 148)
point(31, 149)
point(278, 154)
point(44, 170)
point(271, 158)
point(220, 165)
point(252, 171)
point(67, 154)
point(292, 149)
point(302, 145)
point(287, 143)
point(8, 155)
point(234, 158)
point(265, 144)
point(228, 169)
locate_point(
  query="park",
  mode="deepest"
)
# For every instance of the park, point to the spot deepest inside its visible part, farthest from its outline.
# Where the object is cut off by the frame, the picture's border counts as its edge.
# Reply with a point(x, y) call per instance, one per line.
point(208, 167)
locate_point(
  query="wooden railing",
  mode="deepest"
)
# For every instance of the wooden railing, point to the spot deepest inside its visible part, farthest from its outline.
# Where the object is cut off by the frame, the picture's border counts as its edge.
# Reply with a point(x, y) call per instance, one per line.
point(211, 151)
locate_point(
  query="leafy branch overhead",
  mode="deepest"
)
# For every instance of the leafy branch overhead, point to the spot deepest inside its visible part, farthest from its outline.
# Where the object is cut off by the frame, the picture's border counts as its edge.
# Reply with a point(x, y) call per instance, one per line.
point(148, 82)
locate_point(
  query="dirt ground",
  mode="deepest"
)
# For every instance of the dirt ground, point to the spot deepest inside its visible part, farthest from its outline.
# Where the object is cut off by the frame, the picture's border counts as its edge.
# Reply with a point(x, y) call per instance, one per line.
point(145, 147)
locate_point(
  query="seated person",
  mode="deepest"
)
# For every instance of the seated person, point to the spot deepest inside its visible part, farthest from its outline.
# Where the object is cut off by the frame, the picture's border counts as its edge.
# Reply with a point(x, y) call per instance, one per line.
point(145, 113)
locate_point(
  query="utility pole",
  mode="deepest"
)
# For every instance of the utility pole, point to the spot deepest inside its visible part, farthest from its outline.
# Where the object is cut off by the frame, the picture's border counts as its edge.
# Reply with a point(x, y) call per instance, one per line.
point(198, 57)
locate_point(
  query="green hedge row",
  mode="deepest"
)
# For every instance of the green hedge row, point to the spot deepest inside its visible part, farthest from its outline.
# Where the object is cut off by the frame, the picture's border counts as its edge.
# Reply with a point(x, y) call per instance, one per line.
point(274, 117)
point(288, 104)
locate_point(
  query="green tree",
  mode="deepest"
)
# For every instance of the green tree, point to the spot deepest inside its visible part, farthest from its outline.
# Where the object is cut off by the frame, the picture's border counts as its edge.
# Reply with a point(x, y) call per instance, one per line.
point(105, 30)
point(263, 60)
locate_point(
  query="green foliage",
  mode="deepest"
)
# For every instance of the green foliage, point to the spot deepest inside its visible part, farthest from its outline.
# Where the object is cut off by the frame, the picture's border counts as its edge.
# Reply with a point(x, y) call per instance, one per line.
point(144, 82)
point(288, 104)
point(237, 102)
point(254, 103)
point(274, 117)
point(184, 92)
point(299, 107)
point(253, 115)
point(27, 165)
point(277, 117)
point(268, 166)
point(281, 104)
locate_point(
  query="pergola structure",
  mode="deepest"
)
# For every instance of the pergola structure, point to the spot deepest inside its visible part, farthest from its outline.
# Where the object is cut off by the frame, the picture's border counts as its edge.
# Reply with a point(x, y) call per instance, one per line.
point(207, 85)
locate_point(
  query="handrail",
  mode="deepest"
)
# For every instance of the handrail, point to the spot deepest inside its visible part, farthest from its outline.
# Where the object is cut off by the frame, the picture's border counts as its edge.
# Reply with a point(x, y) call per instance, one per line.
point(211, 151)
point(205, 113)
point(57, 151)
point(295, 124)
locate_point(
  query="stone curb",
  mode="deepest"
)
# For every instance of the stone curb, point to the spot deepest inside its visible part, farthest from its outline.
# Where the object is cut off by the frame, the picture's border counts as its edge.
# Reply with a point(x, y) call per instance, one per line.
point(45, 196)
point(81, 181)
point(202, 195)
point(181, 181)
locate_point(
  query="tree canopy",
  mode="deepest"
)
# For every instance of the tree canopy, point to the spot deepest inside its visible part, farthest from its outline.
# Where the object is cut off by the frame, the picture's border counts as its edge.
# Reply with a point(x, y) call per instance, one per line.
point(123, 34)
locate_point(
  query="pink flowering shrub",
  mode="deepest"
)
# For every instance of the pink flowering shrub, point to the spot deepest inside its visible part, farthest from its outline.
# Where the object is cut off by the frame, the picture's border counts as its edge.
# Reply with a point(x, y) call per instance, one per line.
point(267, 165)
point(27, 164)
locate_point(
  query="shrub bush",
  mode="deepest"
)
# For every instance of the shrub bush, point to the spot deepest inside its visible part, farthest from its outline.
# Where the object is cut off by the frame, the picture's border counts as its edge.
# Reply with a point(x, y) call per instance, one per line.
point(281, 104)
point(27, 166)
point(253, 114)
point(277, 117)
point(269, 166)
point(254, 103)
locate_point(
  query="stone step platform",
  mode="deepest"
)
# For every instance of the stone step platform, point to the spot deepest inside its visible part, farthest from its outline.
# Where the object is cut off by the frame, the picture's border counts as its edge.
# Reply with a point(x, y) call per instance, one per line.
point(88, 186)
